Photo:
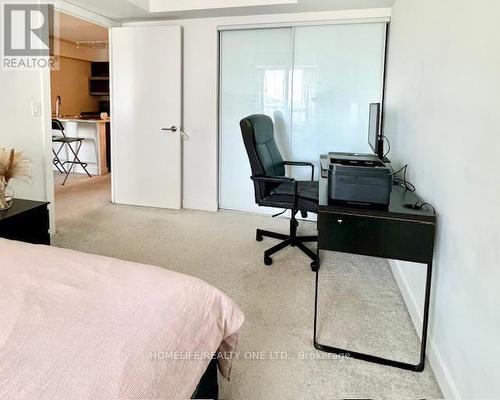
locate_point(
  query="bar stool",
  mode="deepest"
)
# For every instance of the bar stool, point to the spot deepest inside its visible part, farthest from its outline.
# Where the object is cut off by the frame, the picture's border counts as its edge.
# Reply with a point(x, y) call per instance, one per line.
point(66, 142)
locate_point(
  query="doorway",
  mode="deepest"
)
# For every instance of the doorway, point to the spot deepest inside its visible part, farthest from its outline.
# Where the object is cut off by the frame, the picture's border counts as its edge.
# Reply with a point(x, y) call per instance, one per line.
point(81, 118)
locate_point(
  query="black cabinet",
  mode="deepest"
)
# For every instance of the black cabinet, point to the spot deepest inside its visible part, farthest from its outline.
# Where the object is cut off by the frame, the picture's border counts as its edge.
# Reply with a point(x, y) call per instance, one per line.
point(99, 68)
point(26, 221)
point(99, 81)
point(99, 86)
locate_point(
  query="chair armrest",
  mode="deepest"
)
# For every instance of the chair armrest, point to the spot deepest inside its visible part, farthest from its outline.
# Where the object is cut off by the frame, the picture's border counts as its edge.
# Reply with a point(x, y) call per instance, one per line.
point(279, 179)
point(301, 164)
point(275, 179)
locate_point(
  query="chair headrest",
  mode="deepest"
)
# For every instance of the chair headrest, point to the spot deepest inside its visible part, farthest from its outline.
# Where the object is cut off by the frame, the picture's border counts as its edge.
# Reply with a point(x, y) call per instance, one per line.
point(262, 127)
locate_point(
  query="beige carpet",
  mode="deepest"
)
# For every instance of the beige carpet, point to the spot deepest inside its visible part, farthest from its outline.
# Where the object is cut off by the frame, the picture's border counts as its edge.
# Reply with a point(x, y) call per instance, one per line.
point(361, 306)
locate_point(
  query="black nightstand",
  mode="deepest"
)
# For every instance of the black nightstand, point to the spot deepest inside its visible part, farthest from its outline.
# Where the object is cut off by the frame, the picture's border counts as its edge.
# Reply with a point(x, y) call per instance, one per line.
point(26, 221)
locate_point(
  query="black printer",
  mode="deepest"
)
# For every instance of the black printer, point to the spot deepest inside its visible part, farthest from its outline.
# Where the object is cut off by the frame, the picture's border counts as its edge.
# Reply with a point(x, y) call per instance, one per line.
point(357, 179)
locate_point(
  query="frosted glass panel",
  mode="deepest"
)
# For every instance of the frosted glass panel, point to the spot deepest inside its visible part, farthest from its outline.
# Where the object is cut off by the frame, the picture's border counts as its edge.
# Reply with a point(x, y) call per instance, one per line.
point(316, 82)
point(338, 72)
point(255, 78)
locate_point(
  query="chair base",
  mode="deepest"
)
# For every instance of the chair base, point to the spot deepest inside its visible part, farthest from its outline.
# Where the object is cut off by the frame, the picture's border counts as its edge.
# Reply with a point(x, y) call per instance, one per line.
point(288, 240)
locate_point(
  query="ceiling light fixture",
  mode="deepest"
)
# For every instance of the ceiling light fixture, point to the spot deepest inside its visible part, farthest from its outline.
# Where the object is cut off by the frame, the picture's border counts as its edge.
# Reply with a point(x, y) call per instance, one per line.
point(96, 44)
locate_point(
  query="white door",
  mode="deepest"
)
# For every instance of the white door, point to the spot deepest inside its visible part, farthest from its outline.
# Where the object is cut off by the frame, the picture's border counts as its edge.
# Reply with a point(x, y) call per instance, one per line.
point(146, 116)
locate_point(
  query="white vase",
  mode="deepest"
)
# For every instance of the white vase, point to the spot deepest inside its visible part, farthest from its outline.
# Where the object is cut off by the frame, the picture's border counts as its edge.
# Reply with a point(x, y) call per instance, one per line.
point(6, 195)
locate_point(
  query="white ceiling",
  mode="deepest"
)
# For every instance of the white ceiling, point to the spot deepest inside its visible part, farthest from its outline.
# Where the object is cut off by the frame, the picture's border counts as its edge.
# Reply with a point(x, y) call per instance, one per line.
point(73, 29)
point(123, 10)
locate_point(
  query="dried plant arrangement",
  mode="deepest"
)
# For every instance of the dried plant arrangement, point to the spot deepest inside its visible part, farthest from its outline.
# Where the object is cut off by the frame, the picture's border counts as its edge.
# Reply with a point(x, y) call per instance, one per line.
point(13, 165)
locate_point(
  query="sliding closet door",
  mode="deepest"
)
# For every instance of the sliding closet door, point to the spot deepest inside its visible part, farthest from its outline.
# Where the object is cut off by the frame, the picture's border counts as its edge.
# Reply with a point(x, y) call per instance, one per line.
point(316, 82)
point(338, 71)
point(255, 76)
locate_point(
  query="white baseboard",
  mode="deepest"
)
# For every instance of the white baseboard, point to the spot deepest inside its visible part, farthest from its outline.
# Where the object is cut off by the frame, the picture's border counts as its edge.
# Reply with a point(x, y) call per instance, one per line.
point(441, 371)
point(200, 205)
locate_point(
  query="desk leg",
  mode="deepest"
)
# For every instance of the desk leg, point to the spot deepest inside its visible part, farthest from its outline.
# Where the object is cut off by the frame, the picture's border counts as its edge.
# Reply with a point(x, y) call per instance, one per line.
point(316, 263)
point(380, 360)
point(425, 323)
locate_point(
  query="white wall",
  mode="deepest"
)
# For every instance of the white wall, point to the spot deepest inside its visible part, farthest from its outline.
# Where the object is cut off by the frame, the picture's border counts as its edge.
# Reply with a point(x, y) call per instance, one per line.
point(22, 131)
point(200, 167)
point(442, 116)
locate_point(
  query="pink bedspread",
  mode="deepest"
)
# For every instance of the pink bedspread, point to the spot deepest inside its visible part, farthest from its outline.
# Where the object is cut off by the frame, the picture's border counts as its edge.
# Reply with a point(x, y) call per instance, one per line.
point(80, 326)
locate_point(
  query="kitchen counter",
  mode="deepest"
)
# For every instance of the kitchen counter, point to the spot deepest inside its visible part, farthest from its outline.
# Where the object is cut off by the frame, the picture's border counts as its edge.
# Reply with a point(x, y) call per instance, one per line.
point(94, 149)
point(83, 120)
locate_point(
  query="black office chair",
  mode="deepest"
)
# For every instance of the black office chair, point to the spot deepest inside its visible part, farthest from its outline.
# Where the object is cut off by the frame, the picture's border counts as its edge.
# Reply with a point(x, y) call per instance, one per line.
point(274, 189)
point(66, 142)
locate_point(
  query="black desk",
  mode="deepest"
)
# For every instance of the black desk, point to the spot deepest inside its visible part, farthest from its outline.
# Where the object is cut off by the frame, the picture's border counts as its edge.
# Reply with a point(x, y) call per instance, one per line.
point(26, 221)
point(397, 233)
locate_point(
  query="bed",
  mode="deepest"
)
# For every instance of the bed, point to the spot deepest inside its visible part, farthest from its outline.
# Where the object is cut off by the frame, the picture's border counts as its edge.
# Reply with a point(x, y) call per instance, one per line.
point(81, 326)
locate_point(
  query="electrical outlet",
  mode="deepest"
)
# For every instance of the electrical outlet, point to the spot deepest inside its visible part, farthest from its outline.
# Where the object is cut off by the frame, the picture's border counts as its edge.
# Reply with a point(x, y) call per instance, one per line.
point(36, 109)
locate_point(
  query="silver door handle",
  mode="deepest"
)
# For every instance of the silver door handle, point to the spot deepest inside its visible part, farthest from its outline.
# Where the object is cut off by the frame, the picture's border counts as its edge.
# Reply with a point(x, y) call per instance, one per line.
point(173, 128)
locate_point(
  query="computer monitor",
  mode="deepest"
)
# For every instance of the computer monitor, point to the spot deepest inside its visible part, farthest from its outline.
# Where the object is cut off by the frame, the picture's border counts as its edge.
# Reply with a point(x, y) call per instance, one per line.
point(374, 136)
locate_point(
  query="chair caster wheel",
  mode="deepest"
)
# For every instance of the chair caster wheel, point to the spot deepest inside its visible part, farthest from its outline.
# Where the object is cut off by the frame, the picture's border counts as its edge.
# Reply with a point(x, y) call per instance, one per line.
point(268, 260)
point(258, 237)
point(314, 266)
